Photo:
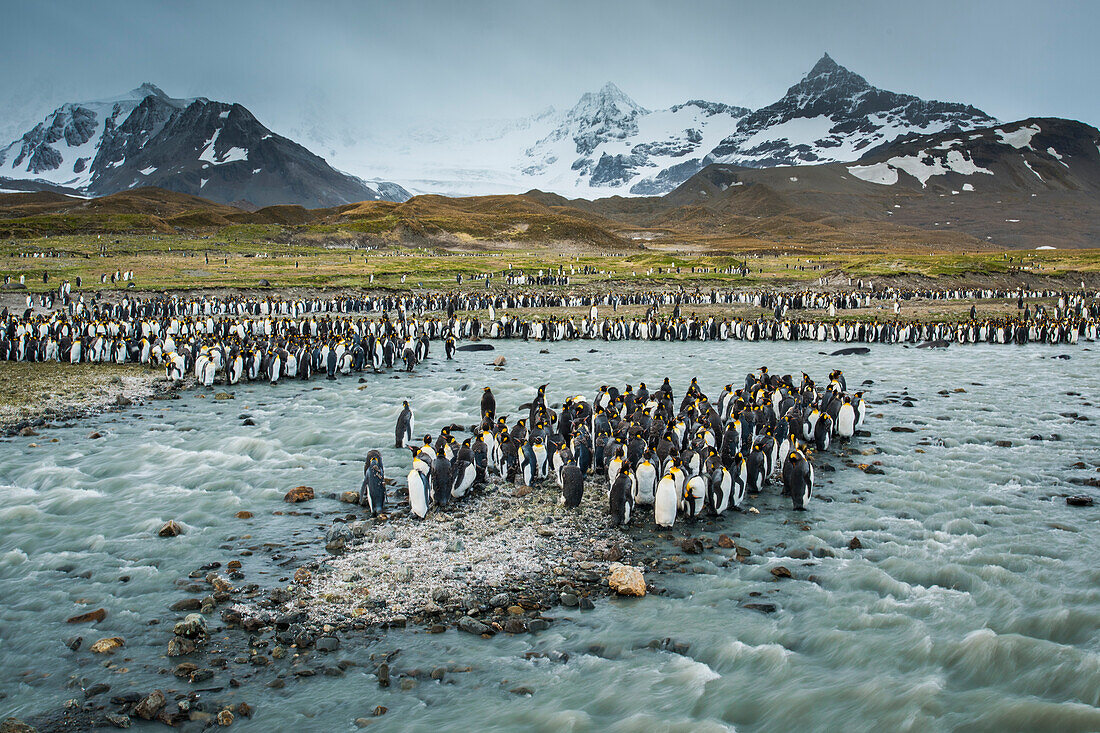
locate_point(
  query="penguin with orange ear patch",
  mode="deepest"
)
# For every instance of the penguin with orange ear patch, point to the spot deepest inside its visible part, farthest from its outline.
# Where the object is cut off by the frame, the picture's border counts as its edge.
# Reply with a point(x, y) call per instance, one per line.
point(621, 498)
point(798, 478)
point(488, 405)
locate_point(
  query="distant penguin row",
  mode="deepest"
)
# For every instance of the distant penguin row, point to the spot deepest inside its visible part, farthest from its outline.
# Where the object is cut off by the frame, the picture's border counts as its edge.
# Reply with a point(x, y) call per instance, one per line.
point(274, 346)
point(828, 296)
point(684, 460)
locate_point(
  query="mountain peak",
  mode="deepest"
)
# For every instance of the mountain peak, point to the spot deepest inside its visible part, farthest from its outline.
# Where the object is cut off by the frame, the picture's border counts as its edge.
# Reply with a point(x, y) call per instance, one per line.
point(146, 138)
point(824, 65)
point(829, 72)
point(146, 89)
point(610, 100)
point(839, 116)
point(827, 79)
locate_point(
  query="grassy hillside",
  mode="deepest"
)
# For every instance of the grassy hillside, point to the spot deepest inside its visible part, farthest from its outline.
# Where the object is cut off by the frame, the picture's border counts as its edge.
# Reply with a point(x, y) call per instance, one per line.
point(464, 223)
point(186, 261)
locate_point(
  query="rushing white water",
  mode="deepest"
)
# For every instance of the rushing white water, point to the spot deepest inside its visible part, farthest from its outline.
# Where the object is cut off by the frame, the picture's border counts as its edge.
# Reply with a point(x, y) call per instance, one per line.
point(975, 601)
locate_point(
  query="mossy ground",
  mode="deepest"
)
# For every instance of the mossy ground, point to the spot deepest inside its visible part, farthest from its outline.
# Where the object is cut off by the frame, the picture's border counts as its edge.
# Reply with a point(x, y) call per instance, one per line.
point(30, 390)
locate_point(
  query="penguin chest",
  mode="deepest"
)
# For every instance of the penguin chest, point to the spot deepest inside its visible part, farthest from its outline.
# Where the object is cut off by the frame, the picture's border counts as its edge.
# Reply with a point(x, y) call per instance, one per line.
point(664, 505)
point(846, 421)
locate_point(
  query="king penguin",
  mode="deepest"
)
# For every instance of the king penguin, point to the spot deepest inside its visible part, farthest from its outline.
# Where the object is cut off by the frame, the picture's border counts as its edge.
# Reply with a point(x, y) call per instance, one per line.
point(846, 419)
point(373, 489)
point(404, 431)
point(622, 498)
point(418, 493)
point(664, 502)
point(488, 405)
point(798, 478)
point(572, 486)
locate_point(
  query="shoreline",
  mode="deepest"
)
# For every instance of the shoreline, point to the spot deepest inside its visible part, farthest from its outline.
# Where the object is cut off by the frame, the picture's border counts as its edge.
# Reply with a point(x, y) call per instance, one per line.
point(40, 395)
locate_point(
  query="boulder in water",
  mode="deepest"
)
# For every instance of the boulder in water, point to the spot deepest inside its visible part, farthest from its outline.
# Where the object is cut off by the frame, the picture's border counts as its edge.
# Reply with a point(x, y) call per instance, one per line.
point(108, 645)
point(762, 607)
point(626, 580)
point(299, 493)
point(171, 528)
point(193, 626)
point(150, 706)
point(92, 616)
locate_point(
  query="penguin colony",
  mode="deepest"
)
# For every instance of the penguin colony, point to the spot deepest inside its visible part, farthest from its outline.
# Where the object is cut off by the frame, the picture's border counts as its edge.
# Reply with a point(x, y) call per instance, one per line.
point(234, 341)
point(679, 460)
point(1079, 303)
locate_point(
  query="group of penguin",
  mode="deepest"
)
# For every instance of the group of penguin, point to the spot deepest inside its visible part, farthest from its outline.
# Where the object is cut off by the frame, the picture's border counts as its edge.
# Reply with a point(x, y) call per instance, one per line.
point(233, 349)
point(293, 359)
point(698, 457)
point(855, 295)
point(228, 351)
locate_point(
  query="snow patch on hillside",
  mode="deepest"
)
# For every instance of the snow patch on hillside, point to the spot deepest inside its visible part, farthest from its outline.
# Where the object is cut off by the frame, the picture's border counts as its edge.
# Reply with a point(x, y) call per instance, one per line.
point(922, 166)
point(881, 173)
point(1020, 137)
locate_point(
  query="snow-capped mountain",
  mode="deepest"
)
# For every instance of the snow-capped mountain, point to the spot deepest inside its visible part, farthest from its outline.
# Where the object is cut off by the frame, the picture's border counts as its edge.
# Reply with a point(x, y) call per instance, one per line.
point(63, 147)
point(1029, 183)
point(216, 150)
point(1037, 154)
point(834, 115)
point(607, 143)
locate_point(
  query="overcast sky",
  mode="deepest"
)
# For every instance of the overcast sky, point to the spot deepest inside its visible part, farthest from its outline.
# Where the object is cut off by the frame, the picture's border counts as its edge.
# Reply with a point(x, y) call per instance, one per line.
point(379, 62)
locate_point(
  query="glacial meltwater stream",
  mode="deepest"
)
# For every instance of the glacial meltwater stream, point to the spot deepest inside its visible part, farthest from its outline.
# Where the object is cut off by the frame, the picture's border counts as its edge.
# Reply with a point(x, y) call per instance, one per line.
point(973, 604)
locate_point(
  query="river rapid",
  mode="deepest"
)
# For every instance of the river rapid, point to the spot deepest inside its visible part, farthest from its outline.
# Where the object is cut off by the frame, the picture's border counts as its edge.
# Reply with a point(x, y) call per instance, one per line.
point(974, 602)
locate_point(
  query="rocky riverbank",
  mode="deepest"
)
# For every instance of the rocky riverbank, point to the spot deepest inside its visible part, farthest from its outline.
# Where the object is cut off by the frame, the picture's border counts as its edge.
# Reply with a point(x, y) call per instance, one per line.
point(495, 561)
point(36, 395)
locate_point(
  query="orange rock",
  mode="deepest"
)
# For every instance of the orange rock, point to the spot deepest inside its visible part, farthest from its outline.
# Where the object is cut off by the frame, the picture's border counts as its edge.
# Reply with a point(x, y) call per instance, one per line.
point(97, 615)
point(626, 580)
point(108, 645)
point(298, 493)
